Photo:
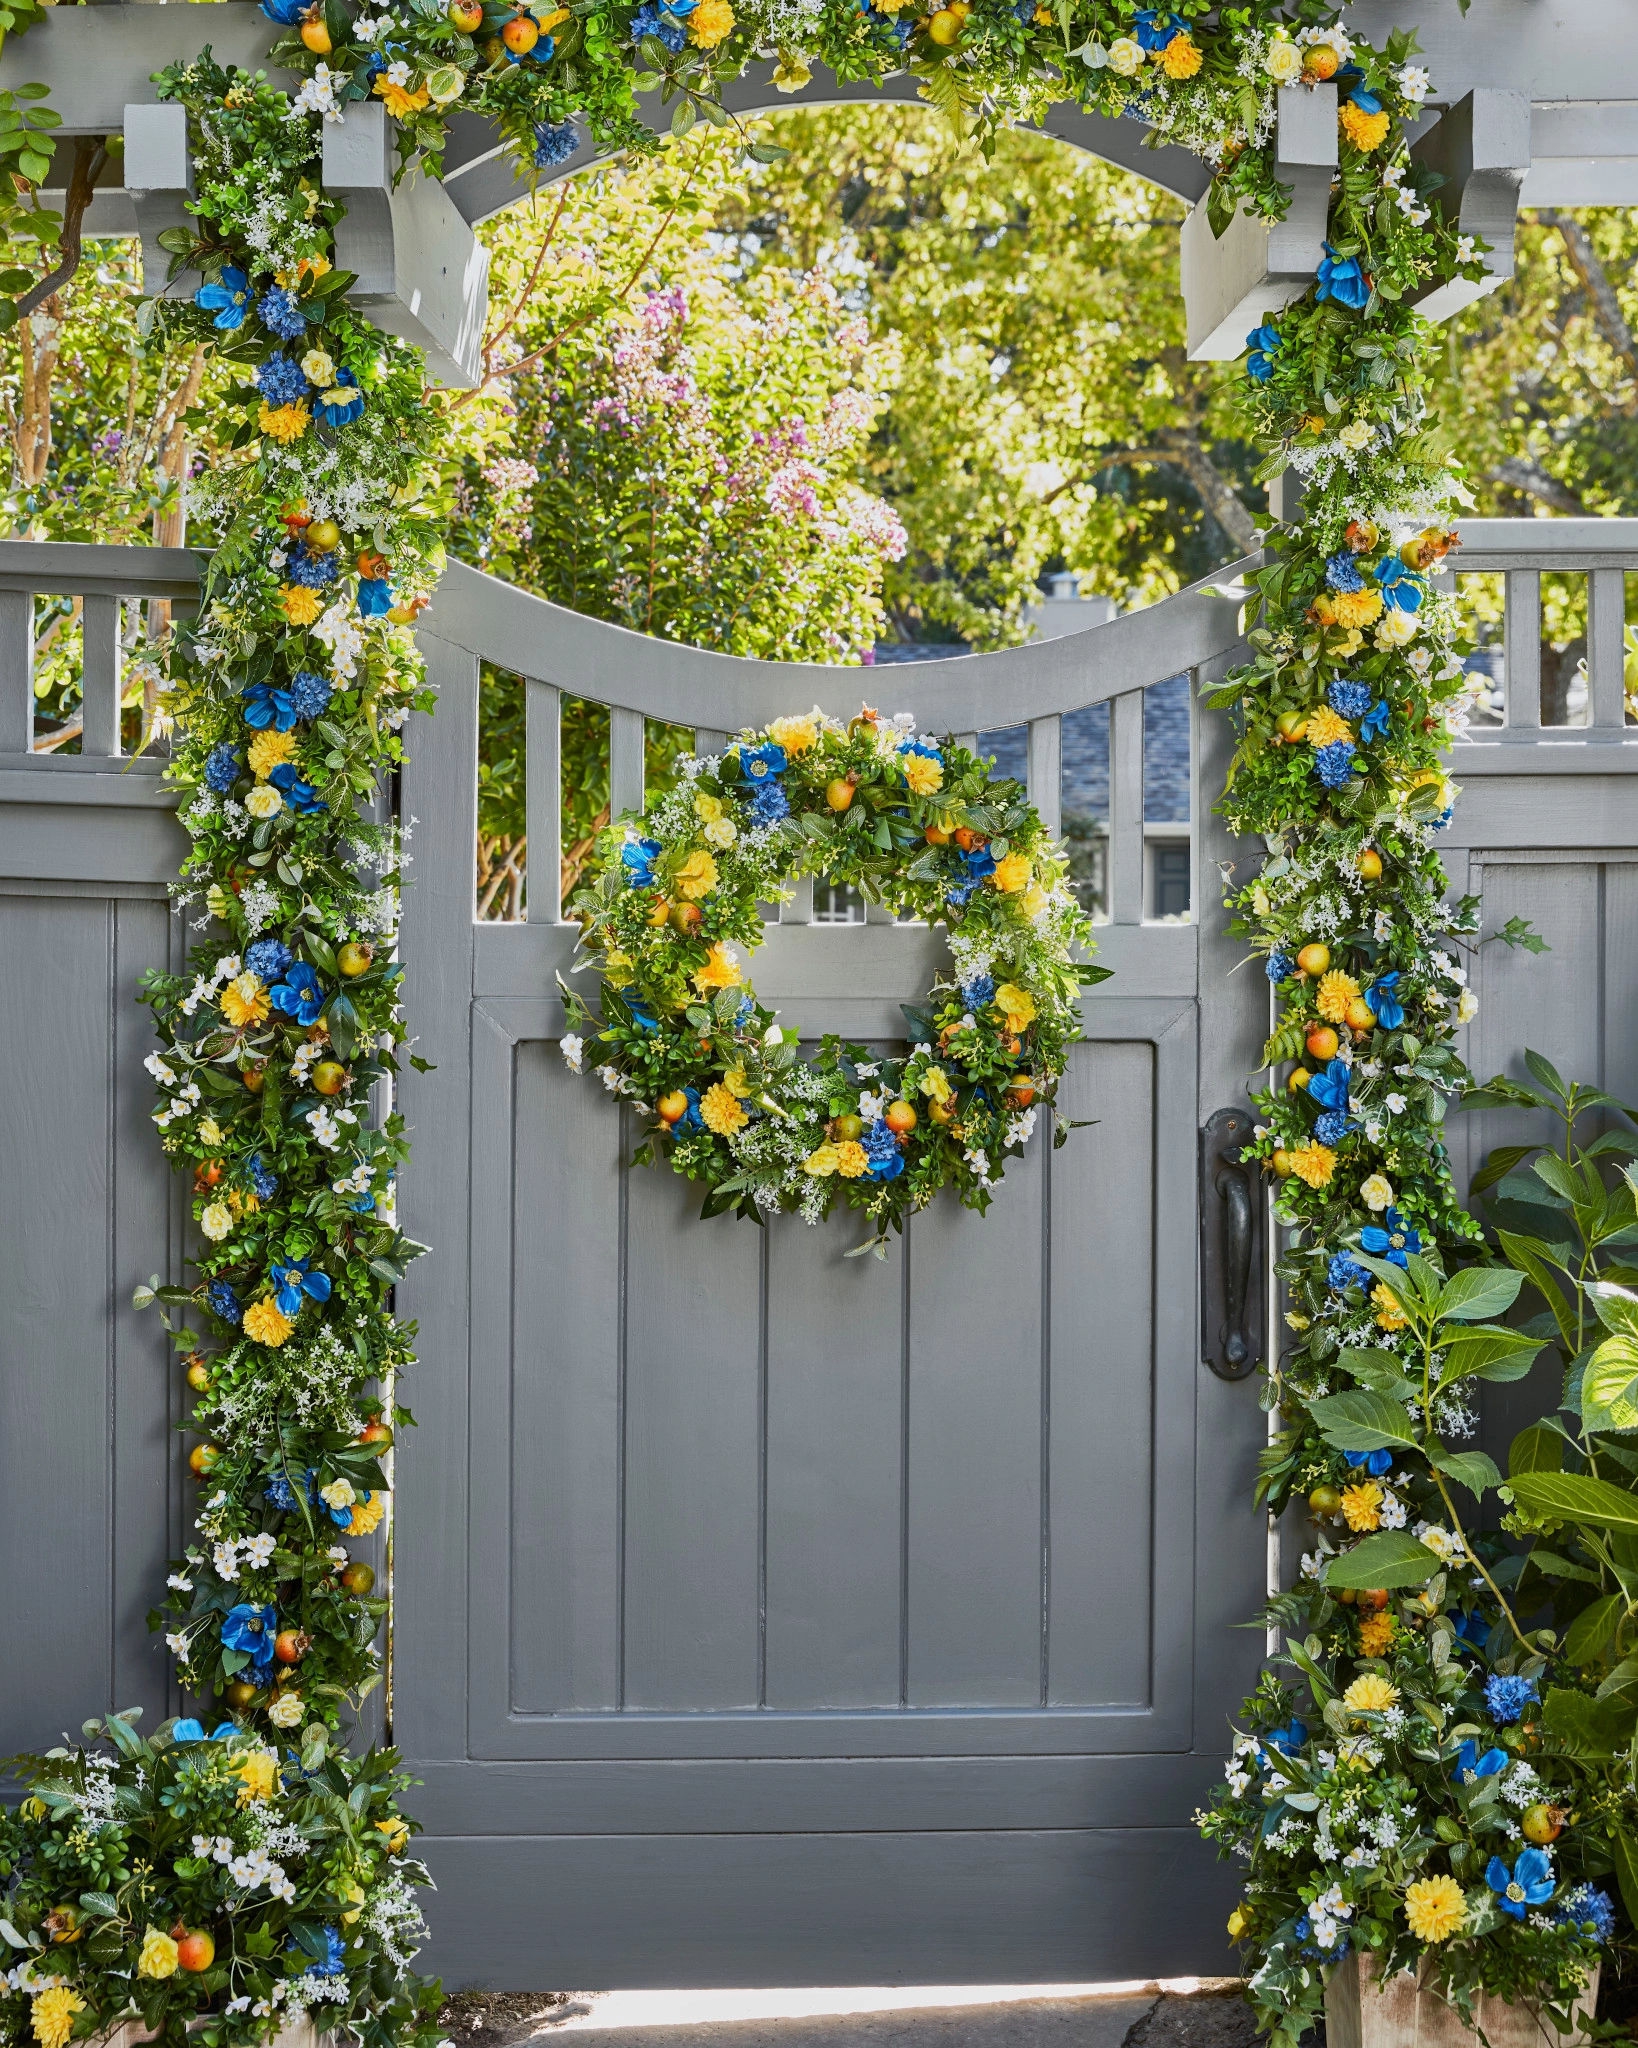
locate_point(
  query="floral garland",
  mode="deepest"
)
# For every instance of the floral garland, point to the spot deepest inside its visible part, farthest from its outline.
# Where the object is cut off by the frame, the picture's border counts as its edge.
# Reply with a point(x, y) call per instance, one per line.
point(672, 912)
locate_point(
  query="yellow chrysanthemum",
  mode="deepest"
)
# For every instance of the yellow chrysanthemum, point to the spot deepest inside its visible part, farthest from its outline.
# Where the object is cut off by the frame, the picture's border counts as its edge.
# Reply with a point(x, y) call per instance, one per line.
point(1389, 1315)
point(268, 749)
point(258, 1775)
point(821, 1161)
point(301, 605)
point(1180, 58)
point(697, 876)
point(1011, 873)
point(1313, 1163)
point(158, 1957)
point(710, 23)
point(266, 1323)
point(244, 1001)
point(1371, 1693)
point(1355, 607)
point(366, 1515)
point(1376, 1632)
point(1324, 727)
point(707, 808)
point(1017, 1006)
point(1335, 992)
point(1362, 1505)
point(720, 1108)
point(399, 102)
point(1435, 1908)
point(795, 735)
point(1363, 130)
point(284, 423)
point(851, 1159)
point(721, 969)
point(923, 776)
point(54, 2010)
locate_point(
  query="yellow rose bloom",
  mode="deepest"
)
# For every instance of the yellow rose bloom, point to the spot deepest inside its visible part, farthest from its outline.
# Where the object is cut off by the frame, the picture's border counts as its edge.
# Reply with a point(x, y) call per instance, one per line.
point(216, 1221)
point(935, 1084)
point(258, 1775)
point(851, 1159)
point(707, 808)
point(1336, 991)
point(923, 776)
point(366, 1515)
point(1362, 1504)
point(1435, 1908)
point(722, 832)
point(1355, 607)
point(710, 23)
point(795, 735)
point(301, 605)
point(54, 2010)
point(1035, 900)
point(1011, 874)
point(721, 969)
point(1370, 1693)
point(1389, 1315)
point(265, 1323)
point(1180, 58)
point(1313, 1163)
point(1324, 727)
point(720, 1108)
point(1363, 130)
point(697, 876)
point(1238, 1921)
point(399, 102)
point(158, 1957)
point(244, 1001)
point(284, 423)
point(1376, 1633)
point(395, 1834)
point(268, 750)
point(821, 1161)
point(1017, 1006)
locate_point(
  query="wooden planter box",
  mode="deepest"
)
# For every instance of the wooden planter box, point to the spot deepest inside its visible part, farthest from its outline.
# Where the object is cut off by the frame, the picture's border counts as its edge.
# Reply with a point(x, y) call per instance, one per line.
point(298, 2033)
point(1363, 2012)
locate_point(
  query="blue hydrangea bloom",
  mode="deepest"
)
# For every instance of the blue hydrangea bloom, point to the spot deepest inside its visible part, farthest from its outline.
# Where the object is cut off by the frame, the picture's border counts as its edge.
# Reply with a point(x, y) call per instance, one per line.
point(310, 693)
point(555, 142)
point(649, 21)
point(313, 571)
point(375, 598)
point(301, 796)
point(1263, 342)
point(1344, 1271)
point(228, 300)
point(280, 314)
point(1383, 998)
point(223, 1302)
point(768, 803)
point(881, 1148)
point(268, 958)
point(265, 706)
point(1334, 765)
point(637, 857)
point(1342, 571)
point(1349, 700)
point(1587, 1903)
point(1393, 1239)
point(299, 995)
point(1507, 1696)
point(279, 1493)
point(1332, 1127)
point(335, 1954)
point(977, 990)
point(1278, 965)
point(759, 762)
point(223, 768)
point(1341, 278)
point(280, 381)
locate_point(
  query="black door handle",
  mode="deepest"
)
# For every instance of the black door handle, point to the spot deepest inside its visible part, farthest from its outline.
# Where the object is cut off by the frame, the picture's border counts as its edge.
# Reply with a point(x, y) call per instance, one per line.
point(1231, 1289)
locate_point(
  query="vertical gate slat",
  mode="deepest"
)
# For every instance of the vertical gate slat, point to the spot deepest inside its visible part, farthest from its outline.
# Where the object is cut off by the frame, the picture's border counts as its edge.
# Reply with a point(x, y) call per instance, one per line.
point(1046, 770)
point(799, 910)
point(1606, 650)
point(543, 813)
point(626, 766)
point(99, 675)
point(969, 740)
point(707, 740)
point(16, 672)
point(1126, 808)
point(1522, 640)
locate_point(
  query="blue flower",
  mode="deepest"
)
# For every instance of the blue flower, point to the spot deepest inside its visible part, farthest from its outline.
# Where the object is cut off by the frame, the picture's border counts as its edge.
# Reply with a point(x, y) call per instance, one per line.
point(1330, 1088)
point(924, 748)
point(250, 1629)
point(1334, 765)
point(1263, 343)
point(1507, 1696)
point(1332, 1127)
point(883, 1151)
point(279, 1493)
point(280, 313)
point(265, 706)
point(1345, 1271)
point(1529, 1883)
point(291, 1282)
point(194, 1731)
point(555, 142)
point(1401, 590)
point(312, 571)
point(280, 381)
point(299, 995)
point(301, 796)
point(1351, 81)
point(759, 762)
point(1375, 1462)
point(1341, 278)
point(1383, 998)
point(375, 596)
point(1154, 28)
point(644, 1019)
point(1277, 966)
point(1471, 1767)
point(1472, 1631)
point(979, 863)
point(286, 12)
point(1289, 1738)
point(223, 1302)
point(649, 21)
point(1587, 1904)
point(229, 299)
point(335, 1954)
point(977, 990)
point(1342, 573)
point(1394, 1239)
point(637, 857)
point(223, 768)
point(264, 1182)
point(310, 693)
point(691, 1120)
point(960, 894)
point(1349, 700)
point(268, 958)
point(1376, 721)
point(342, 403)
point(768, 803)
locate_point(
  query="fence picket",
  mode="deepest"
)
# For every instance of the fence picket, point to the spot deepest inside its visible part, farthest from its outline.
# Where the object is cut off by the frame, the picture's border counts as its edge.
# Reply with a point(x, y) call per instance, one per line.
point(16, 672)
point(626, 763)
point(1126, 808)
point(543, 813)
point(1606, 651)
point(1046, 771)
point(100, 677)
point(1522, 632)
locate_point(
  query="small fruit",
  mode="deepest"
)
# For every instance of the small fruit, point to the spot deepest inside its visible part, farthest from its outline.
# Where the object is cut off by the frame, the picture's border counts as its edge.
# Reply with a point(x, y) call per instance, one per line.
point(354, 958)
point(1021, 1091)
point(290, 1645)
point(1347, 1595)
point(1321, 61)
point(1361, 1017)
point(520, 34)
point(944, 27)
point(1314, 959)
point(358, 1578)
point(196, 1951)
point(62, 1923)
point(685, 919)
point(900, 1116)
point(839, 793)
point(323, 537)
point(967, 839)
point(937, 835)
point(316, 36)
point(295, 515)
point(1370, 864)
point(1298, 1079)
point(1291, 724)
point(849, 1128)
point(941, 1112)
point(208, 1173)
point(203, 1458)
point(369, 562)
point(1322, 1041)
point(199, 1373)
point(1376, 1597)
point(674, 1107)
point(1542, 1823)
point(329, 1077)
point(375, 1432)
point(466, 15)
point(1281, 1162)
point(1325, 1500)
point(240, 1693)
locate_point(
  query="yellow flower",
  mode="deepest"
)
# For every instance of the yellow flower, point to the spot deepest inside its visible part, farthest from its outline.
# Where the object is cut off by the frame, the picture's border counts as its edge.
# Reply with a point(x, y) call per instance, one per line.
point(1313, 1163)
point(1324, 727)
point(395, 1833)
point(264, 801)
point(851, 1159)
point(721, 969)
point(244, 1001)
point(1012, 873)
point(709, 23)
point(1377, 1192)
point(1336, 991)
point(1435, 1908)
point(268, 749)
point(1398, 629)
point(821, 1161)
point(1370, 1693)
point(158, 1957)
point(1363, 130)
point(1035, 900)
point(258, 1776)
point(55, 2007)
point(1362, 1505)
point(795, 735)
point(366, 1516)
point(1356, 607)
point(922, 775)
point(399, 102)
point(318, 368)
point(1376, 1632)
point(1238, 1921)
point(1180, 58)
point(301, 605)
point(284, 422)
point(697, 876)
point(790, 75)
point(722, 832)
point(736, 1084)
point(265, 1323)
point(935, 1084)
point(242, 1202)
point(720, 1108)
point(216, 1221)
point(1389, 1315)
point(708, 808)
point(1017, 1006)
point(211, 1131)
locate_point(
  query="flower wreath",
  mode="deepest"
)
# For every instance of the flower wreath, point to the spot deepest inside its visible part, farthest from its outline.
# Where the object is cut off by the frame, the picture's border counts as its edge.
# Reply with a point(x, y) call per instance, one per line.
point(671, 913)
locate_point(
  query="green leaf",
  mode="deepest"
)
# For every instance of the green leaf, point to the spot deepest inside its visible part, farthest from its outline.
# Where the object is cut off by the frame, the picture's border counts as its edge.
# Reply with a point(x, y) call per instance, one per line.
point(1609, 1386)
point(1545, 1072)
point(1592, 1629)
point(1625, 1851)
point(1488, 1352)
point(1478, 1292)
point(1363, 1421)
point(1498, 1162)
point(1392, 1557)
point(1584, 1727)
point(1576, 1497)
point(342, 1021)
point(1471, 1469)
point(1529, 1255)
point(1616, 1307)
point(103, 1903)
point(1535, 1450)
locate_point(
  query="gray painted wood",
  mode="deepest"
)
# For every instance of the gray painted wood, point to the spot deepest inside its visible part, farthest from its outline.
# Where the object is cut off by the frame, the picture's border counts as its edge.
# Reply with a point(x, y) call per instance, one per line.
point(626, 761)
point(1606, 652)
point(100, 678)
point(16, 672)
point(543, 774)
point(1521, 626)
point(1046, 771)
point(1126, 808)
